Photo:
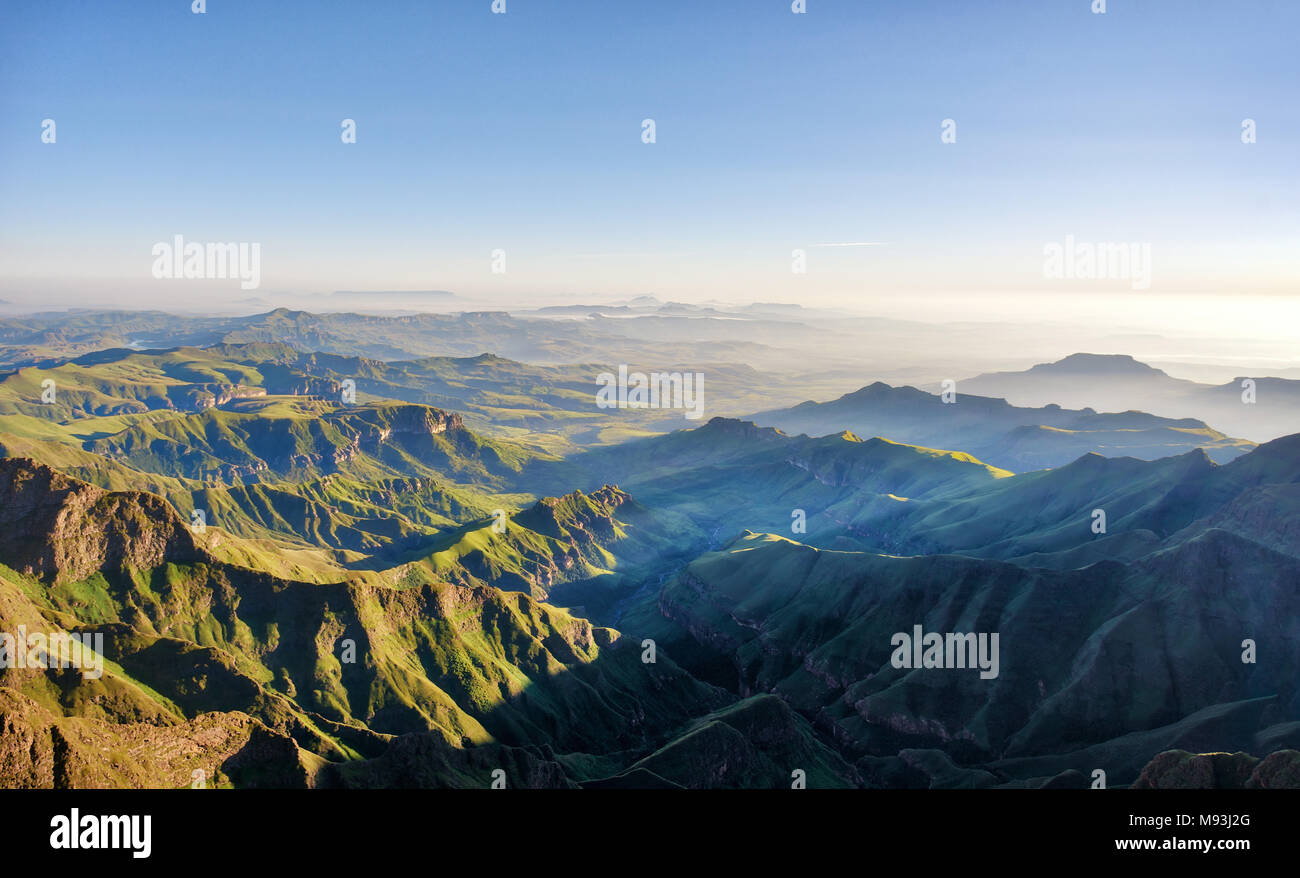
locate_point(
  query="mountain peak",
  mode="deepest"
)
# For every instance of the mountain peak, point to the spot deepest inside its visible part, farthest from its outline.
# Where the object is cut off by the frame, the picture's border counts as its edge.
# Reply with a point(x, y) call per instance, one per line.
point(1091, 364)
point(484, 359)
point(874, 389)
point(736, 427)
point(60, 528)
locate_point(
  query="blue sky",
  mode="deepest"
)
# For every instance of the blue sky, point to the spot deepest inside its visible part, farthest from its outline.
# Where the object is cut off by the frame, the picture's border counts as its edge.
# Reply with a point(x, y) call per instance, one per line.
point(775, 131)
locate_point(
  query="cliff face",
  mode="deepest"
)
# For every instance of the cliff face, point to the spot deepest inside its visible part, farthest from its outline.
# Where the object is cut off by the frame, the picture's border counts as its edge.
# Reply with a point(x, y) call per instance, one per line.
point(1181, 770)
point(403, 425)
point(198, 397)
point(584, 517)
point(40, 749)
point(60, 529)
point(265, 679)
point(400, 439)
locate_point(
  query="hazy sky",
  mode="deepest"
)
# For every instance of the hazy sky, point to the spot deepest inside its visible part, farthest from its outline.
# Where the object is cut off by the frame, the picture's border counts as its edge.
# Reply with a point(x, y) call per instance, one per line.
point(774, 132)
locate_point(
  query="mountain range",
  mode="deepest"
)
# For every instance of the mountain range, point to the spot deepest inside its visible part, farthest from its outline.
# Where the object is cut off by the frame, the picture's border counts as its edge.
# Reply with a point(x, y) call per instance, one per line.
point(468, 568)
point(1256, 407)
point(996, 431)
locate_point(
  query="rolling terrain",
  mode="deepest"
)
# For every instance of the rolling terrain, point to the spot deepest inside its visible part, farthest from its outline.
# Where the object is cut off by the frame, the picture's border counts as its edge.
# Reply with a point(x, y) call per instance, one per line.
point(471, 568)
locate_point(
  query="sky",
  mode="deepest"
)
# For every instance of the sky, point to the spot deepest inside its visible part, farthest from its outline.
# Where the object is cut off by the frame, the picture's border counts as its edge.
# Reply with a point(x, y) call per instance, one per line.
point(774, 132)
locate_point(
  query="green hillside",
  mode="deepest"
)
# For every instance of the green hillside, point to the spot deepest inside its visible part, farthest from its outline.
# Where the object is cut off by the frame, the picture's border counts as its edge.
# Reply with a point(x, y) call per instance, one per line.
point(388, 593)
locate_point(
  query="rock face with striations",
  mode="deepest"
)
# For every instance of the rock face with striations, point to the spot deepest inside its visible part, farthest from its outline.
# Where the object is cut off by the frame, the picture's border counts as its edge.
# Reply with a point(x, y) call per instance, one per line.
point(214, 666)
point(60, 529)
point(198, 397)
point(1180, 770)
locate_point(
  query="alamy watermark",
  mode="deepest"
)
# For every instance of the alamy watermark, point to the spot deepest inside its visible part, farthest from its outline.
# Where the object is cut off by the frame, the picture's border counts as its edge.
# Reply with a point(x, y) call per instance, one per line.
point(75, 831)
point(1107, 260)
point(195, 261)
point(934, 650)
point(658, 390)
point(57, 649)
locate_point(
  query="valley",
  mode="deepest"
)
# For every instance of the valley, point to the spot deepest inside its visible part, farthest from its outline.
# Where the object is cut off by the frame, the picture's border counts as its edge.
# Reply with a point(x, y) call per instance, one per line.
point(470, 566)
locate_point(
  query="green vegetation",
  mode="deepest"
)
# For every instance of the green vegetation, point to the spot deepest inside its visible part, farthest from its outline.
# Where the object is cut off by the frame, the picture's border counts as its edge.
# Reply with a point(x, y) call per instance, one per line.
point(460, 572)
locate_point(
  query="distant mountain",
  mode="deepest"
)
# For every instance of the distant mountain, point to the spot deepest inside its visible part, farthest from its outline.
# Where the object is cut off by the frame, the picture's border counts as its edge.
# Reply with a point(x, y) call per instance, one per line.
point(1120, 365)
point(33, 338)
point(777, 307)
point(993, 430)
point(1118, 382)
point(414, 295)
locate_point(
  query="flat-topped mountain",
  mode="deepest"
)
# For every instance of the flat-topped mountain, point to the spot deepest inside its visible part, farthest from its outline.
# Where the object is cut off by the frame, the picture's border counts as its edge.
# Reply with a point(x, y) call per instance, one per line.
point(1117, 382)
